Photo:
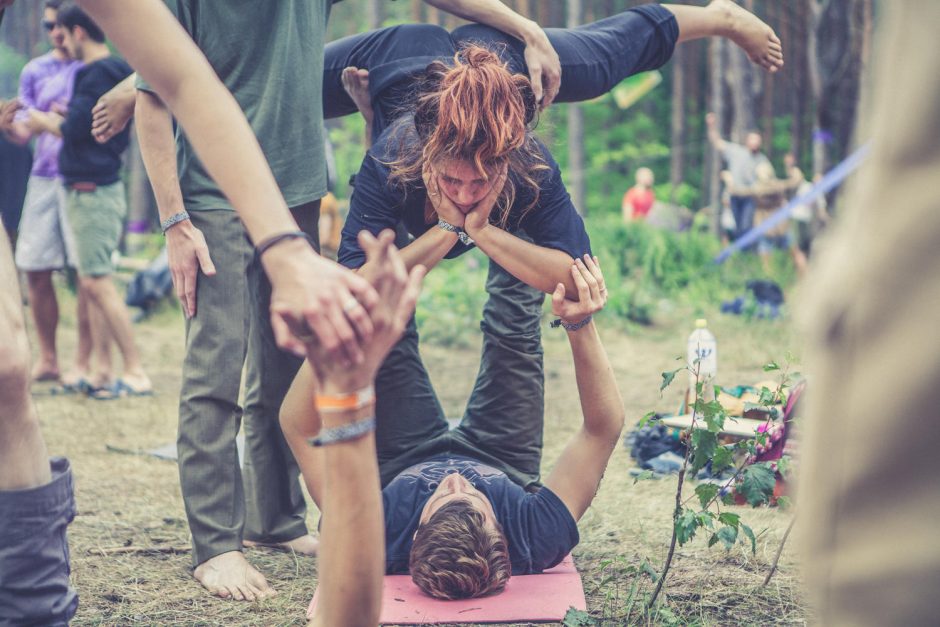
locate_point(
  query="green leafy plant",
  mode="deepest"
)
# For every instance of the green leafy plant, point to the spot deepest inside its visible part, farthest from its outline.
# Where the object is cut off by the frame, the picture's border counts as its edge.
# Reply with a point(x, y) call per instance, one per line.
point(702, 511)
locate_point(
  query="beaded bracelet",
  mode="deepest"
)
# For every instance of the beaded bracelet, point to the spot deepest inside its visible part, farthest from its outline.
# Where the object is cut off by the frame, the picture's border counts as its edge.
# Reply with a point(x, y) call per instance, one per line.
point(343, 433)
point(176, 218)
point(569, 326)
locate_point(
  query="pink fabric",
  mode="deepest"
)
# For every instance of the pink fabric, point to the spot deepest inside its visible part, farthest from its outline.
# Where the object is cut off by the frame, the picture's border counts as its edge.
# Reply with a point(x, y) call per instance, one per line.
point(533, 598)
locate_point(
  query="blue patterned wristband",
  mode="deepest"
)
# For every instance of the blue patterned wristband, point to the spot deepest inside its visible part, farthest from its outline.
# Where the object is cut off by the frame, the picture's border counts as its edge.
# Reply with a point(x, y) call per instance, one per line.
point(344, 433)
point(573, 326)
point(176, 218)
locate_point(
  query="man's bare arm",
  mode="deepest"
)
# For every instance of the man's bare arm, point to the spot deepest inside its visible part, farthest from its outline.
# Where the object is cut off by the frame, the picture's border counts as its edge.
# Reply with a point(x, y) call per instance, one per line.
point(114, 110)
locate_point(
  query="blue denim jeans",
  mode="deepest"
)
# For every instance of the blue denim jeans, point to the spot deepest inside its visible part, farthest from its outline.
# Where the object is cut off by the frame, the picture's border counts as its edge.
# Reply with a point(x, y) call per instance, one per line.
point(34, 552)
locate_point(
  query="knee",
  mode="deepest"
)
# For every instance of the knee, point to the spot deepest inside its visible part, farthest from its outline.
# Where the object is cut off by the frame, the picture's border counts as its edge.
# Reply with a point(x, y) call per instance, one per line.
point(39, 281)
point(92, 286)
point(14, 362)
point(480, 34)
point(421, 40)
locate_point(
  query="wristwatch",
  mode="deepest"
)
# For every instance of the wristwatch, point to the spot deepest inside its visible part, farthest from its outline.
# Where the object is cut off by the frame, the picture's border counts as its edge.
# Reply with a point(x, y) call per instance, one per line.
point(465, 239)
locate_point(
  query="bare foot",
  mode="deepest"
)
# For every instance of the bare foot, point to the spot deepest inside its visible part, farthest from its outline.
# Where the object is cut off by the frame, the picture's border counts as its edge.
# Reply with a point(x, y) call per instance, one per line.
point(756, 38)
point(137, 384)
point(356, 84)
point(230, 576)
point(304, 545)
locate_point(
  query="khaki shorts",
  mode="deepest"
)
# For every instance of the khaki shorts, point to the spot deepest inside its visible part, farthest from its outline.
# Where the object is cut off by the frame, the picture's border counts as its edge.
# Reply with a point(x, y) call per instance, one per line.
point(45, 240)
point(97, 221)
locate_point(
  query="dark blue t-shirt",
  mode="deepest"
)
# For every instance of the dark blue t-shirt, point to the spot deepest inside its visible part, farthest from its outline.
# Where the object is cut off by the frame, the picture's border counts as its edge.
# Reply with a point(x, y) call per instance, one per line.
point(378, 203)
point(540, 530)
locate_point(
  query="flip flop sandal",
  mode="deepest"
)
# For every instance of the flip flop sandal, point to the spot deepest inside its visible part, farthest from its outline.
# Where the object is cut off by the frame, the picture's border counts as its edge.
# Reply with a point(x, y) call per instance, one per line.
point(104, 392)
point(81, 386)
point(119, 389)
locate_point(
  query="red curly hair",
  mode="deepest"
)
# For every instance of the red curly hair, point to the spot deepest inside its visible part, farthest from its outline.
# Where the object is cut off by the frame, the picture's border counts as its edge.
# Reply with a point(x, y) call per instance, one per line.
point(477, 111)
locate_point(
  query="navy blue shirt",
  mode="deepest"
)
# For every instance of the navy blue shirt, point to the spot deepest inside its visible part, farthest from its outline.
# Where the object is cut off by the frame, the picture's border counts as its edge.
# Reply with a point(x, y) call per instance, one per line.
point(540, 530)
point(82, 159)
point(378, 204)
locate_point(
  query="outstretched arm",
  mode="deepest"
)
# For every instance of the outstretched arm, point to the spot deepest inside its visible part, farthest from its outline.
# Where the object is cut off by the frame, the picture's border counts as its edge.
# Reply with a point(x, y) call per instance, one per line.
point(309, 292)
point(343, 477)
point(541, 58)
point(711, 123)
point(579, 470)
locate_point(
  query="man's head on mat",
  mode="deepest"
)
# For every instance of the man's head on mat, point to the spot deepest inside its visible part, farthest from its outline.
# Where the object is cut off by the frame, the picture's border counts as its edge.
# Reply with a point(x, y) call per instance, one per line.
point(472, 118)
point(459, 550)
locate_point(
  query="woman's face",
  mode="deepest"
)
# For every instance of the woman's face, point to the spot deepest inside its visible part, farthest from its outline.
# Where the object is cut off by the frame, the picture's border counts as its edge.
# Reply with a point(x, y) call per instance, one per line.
point(462, 184)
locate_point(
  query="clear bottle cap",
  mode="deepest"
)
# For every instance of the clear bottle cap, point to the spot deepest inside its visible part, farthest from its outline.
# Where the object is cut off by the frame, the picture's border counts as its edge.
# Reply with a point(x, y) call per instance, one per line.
point(701, 323)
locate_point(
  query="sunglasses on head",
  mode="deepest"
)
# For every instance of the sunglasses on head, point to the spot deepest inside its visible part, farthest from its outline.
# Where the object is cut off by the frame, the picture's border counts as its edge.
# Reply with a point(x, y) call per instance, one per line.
point(48, 25)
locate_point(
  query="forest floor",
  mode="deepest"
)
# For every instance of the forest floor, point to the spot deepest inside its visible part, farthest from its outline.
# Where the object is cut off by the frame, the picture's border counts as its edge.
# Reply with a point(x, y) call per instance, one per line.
point(128, 501)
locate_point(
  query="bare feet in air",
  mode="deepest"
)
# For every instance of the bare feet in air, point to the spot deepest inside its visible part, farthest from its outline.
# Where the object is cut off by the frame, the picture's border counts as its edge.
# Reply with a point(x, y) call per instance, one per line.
point(304, 545)
point(356, 84)
point(111, 114)
point(756, 38)
point(230, 576)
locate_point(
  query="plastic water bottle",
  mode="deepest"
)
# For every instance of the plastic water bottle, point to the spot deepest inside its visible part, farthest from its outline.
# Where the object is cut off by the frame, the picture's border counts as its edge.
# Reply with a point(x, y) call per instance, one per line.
point(702, 356)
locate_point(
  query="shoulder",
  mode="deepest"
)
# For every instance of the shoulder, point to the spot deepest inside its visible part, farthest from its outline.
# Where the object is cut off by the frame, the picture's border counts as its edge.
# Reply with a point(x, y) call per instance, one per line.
point(36, 66)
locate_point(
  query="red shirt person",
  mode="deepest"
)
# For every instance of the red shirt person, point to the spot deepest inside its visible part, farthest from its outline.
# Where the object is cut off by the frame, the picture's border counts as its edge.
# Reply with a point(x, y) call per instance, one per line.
point(639, 199)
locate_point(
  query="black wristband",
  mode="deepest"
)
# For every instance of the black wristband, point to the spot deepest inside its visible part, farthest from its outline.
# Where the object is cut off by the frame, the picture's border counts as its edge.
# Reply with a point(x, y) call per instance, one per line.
point(277, 239)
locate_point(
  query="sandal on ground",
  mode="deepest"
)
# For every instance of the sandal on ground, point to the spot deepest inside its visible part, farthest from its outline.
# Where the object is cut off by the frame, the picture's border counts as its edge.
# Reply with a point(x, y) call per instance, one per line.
point(119, 389)
point(79, 386)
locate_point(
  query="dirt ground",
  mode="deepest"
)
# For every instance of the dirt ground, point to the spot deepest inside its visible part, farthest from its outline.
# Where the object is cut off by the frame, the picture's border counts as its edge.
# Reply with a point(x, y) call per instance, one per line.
point(128, 502)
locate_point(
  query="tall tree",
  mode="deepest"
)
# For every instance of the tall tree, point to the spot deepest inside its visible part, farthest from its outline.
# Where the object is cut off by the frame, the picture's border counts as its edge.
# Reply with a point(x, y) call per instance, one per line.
point(677, 152)
point(576, 130)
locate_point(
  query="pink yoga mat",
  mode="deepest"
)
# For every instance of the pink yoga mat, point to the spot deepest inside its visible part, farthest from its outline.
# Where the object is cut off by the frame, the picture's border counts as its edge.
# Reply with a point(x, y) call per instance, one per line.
point(531, 598)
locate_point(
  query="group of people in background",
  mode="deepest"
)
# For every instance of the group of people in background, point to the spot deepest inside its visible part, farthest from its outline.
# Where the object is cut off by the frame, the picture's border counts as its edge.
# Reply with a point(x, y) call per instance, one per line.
point(751, 194)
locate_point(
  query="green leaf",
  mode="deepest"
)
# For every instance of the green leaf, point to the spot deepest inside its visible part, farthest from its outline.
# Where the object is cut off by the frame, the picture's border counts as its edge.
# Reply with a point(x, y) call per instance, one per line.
point(783, 466)
point(646, 475)
point(704, 444)
point(784, 502)
point(668, 376)
point(686, 524)
point(728, 536)
point(767, 396)
point(649, 571)
point(750, 534)
point(771, 366)
point(706, 492)
point(578, 618)
point(712, 541)
point(729, 518)
point(648, 417)
point(758, 484)
point(721, 459)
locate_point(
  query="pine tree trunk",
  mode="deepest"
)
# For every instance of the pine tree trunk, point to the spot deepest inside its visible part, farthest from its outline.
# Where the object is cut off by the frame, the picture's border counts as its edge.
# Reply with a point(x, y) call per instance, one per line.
point(677, 152)
point(576, 131)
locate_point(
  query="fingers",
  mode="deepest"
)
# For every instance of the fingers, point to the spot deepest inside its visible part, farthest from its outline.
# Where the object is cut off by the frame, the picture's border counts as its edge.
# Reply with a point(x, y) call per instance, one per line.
point(594, 292)
point(558, 299)
point(584, 290)
point(205, 261)
point(535, 77)
point(594, 267)
point(409, 299)
point(552, 85)
point(283, 336)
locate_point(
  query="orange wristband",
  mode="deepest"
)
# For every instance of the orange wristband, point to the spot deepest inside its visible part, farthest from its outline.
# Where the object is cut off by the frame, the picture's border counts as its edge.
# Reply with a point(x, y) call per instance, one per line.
point(345, 402)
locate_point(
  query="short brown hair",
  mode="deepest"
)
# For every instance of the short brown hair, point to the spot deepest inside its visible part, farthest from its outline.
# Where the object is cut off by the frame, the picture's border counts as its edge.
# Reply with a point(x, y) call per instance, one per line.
point(455, 556)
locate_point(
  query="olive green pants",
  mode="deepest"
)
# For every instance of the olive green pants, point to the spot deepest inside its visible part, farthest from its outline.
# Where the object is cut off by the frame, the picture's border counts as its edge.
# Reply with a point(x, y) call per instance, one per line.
point(232, 325)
